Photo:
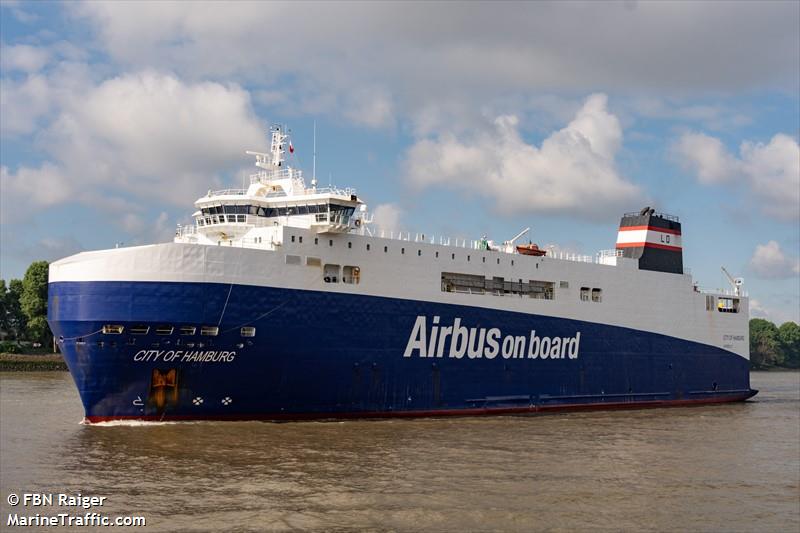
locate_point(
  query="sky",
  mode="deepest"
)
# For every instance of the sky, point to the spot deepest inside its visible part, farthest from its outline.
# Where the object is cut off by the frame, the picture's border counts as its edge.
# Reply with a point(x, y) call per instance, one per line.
point(457, 119)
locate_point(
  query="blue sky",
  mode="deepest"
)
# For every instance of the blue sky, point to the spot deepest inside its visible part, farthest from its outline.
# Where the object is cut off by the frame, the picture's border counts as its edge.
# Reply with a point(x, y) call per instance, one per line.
point(456, 119)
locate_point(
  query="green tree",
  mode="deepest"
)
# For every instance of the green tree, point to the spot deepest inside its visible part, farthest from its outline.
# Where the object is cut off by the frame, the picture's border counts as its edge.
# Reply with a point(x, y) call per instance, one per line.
point(765, 348)
point(34, 301)
point(789, 338)
point(14, 317)
point(3, 309)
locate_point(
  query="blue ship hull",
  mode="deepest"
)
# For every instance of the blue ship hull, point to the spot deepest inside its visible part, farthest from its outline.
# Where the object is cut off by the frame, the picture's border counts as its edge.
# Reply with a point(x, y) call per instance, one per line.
point(332, 355)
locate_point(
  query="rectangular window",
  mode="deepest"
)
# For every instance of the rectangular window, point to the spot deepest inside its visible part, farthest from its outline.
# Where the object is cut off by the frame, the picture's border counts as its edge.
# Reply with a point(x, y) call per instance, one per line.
point(293, 259)
point(543, 290)
point(728, 305)
point(164, 330)
point(597, 295)
point(351, 274)
point(188, 330)
point(209, 331)
point(313, 261)
point(330, 273)
point(709, 303)
point(139, 330)
point(561, 284)
point(468, 283)
point(584, 294)
point(248, 331)
point(112, 329)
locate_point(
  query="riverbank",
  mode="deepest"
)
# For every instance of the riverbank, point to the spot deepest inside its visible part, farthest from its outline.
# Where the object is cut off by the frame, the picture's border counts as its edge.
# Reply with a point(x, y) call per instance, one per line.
point(12, 362)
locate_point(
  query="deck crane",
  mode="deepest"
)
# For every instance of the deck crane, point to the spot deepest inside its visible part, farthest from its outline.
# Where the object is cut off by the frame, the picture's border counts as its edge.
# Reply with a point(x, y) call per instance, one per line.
point(508, 246)
point(736, 283)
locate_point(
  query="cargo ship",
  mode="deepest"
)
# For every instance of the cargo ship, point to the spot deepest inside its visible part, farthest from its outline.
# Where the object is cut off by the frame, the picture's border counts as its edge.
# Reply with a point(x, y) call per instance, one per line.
point(282, 301)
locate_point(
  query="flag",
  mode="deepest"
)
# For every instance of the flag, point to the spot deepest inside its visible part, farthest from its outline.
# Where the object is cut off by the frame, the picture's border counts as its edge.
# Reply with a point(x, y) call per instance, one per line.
point(291, 147)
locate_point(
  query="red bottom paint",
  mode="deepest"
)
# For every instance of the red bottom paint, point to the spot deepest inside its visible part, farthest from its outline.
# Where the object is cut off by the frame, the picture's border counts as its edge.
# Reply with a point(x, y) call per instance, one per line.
point(493, 411)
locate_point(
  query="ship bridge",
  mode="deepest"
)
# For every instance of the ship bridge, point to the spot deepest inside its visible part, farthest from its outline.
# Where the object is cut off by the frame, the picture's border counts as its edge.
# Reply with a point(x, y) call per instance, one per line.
point(277, 196)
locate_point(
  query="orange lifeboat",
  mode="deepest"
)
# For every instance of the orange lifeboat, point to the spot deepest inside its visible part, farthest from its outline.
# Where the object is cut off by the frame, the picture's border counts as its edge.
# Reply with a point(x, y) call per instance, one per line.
point(530, 249)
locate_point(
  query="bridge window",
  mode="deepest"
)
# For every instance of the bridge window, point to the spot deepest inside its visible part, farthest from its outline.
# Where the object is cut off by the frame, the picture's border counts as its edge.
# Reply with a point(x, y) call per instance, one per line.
point(209, 331)
point(139, 330)
point(188, 330)
point(164, 330)
point(351, 274)
point(248, 331)
point(113, 329)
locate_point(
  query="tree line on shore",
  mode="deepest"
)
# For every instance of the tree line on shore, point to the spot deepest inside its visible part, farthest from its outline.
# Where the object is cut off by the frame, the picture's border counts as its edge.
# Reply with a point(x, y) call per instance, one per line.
point(23, 319)
point(23, 310)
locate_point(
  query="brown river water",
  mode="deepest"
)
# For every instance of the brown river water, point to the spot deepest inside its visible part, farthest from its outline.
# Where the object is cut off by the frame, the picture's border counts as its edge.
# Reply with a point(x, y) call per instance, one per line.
point(733, 467)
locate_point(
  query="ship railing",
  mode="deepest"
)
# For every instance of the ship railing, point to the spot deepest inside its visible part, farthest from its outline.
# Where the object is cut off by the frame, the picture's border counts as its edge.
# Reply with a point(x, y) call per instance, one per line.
point(227, 192)
point(723, 292)
point(266, 176)
point(470, 244)
point(183, 231)
point(612, 252)
point(666, 216)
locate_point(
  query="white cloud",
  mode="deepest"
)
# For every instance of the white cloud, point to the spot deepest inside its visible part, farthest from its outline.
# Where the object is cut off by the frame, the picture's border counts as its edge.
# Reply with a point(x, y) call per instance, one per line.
point(147, 136)
point(772, 170)
point(387, 217)
point(414, 55)
point(23, 57)
point(573, 170)
point(770, 262)
point(707, 157)
point(774, 174)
